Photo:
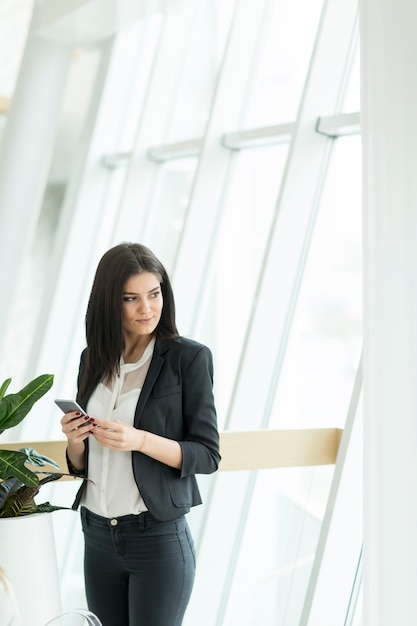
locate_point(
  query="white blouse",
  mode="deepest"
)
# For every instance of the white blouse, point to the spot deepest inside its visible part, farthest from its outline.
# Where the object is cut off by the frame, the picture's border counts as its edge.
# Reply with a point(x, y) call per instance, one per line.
point(111, 489)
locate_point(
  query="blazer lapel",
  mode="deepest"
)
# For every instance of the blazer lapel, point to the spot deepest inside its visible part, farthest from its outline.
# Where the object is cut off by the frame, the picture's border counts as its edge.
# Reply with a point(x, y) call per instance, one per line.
point(157, 361)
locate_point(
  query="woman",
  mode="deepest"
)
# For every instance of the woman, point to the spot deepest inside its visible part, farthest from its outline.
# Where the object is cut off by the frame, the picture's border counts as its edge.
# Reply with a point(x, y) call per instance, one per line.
point(151, 426)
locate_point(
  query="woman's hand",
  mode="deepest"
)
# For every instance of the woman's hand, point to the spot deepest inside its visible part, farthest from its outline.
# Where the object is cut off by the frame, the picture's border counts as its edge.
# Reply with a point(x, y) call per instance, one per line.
point(76, 426)
point(118, 435)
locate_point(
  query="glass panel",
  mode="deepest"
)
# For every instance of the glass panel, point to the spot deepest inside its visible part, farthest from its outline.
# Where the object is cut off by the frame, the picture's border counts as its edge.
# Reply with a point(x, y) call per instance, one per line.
point(278, 547)
point(15, 18)
point(132, 64)
point(352, 97)
point(202, 61)
point(283, 58)
point(167, 214)
point(354, 613)
point(248, 211)
point(35, 280)
point(325, 342)
point(263, 555)
point(341, 551)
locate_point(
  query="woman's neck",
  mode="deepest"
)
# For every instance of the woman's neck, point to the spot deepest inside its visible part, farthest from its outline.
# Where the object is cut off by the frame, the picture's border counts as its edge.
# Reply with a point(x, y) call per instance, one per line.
point(134, 350)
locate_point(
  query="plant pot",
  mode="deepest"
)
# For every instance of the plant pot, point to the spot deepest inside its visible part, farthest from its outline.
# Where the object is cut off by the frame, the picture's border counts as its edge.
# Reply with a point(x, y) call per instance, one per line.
point(28, 557)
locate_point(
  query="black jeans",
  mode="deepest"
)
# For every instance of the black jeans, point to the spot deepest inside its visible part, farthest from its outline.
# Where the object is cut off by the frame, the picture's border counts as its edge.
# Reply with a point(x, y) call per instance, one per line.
point(138, 571)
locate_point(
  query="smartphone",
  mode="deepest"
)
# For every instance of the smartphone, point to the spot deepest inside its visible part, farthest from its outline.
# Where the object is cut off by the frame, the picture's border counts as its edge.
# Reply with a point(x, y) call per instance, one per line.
point(69, 405)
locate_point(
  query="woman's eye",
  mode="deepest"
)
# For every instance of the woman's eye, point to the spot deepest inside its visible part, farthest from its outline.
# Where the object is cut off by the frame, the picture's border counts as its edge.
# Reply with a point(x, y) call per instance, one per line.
point(128, 298)
point(155, 294)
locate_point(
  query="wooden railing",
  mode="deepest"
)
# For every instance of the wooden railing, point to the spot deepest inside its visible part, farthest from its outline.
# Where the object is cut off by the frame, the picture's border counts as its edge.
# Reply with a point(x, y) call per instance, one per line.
point(246, 450)
point(4, 105)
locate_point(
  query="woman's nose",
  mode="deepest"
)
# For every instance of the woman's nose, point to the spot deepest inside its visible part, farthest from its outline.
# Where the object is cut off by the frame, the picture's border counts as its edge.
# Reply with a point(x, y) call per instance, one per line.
point(143, 306)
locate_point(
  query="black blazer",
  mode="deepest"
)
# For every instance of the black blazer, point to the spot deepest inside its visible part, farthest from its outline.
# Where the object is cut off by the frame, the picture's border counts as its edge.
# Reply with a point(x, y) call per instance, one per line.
point(177, 402)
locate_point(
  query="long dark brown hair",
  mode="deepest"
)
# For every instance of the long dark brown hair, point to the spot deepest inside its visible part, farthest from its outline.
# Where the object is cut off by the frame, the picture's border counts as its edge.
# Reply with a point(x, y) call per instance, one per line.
point(103, 321)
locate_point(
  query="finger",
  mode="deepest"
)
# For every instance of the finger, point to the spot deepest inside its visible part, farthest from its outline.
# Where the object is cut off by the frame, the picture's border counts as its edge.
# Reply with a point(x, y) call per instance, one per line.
point(105, 435)
point(76, 436)
point(102, 423)
point(74, 417)
point(106, 439)
point(78, 426)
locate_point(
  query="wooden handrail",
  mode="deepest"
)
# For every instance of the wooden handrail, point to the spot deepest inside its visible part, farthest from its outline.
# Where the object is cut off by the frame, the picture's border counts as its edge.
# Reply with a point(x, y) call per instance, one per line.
point(245, 450)
point(262, 449)
point(4, 105)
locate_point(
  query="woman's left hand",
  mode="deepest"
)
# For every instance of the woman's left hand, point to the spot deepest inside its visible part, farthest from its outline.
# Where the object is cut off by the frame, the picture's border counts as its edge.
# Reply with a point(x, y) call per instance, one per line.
point(118, 435)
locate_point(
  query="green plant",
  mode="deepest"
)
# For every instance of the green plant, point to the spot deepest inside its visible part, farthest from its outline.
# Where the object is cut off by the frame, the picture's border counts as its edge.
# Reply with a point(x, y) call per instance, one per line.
point(18, 484)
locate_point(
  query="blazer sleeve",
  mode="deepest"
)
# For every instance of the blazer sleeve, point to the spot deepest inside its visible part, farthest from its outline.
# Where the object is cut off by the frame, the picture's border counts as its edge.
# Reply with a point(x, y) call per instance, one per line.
point(200, 446)
point(82, 401)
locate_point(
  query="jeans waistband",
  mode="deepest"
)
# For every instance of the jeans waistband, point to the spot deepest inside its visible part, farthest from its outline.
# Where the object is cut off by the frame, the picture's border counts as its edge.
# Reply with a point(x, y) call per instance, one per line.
point(143, 520)
point(89, 516)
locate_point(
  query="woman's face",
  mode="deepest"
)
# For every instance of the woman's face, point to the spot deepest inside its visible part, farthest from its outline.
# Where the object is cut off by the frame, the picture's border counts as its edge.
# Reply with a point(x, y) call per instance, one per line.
point(142, 304)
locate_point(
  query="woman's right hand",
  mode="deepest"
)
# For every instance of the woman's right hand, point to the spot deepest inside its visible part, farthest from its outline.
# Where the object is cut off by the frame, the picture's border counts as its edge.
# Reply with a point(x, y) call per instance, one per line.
point(76, 426)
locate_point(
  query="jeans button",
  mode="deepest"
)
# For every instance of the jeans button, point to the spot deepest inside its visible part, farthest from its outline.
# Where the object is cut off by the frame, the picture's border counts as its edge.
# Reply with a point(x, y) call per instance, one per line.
point(114, 522)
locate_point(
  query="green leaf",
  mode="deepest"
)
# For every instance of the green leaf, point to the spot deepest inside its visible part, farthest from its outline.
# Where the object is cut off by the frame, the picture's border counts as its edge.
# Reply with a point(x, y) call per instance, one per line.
point(50, 477)
point(4, 386)
point(18, 505)
point(7, 488)
point(13, 509)
point(17, 499)
point(35, 458)
point(47, 507)
point(15, 407)
point(12, 465)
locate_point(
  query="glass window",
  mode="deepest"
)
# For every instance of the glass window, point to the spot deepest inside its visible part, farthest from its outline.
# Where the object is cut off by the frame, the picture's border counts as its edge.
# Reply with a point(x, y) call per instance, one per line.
point(352, 96)
point(248, 211)
point(280, 70)
point(198, 73)
point(278, 547)
point(134, 54)
point(326, 337)
point(15, 18)
point(36, 279)
point(264, 554)
point(167, 212)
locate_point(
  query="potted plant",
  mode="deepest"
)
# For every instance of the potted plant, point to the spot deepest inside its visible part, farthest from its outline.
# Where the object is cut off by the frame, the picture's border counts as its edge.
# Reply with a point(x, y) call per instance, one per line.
point(18, 484)
point(25, 536)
